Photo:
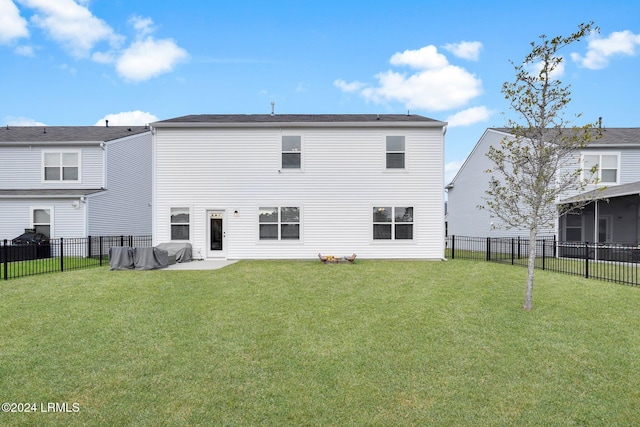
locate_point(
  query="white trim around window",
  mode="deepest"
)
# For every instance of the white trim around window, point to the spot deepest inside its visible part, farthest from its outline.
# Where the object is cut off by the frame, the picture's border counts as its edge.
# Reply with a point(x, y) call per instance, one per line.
point(61, 166)
point(279, 223)
point(395, 153)
point(41, 219)
point(291, 153)
point(608, 166)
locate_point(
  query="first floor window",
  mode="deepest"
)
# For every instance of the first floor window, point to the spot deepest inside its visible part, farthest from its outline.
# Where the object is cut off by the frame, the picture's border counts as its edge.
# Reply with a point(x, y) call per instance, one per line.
point(42, 221)
point(573, 227)
point(179, 223)
point(279, 223)
point(392, 223)
point(60, 166)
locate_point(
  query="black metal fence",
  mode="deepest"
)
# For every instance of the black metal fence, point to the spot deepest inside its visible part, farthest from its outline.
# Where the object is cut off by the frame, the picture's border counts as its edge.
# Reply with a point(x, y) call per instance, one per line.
point(61, 254)
point(610, 262)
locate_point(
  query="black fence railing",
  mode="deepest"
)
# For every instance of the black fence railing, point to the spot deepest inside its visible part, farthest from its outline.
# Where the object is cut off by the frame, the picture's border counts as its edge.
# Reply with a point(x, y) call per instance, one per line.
point(610, 262)
point(61, 254)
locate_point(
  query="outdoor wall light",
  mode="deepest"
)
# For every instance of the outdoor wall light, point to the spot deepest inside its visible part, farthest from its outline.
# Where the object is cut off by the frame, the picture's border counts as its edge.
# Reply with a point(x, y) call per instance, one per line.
point(236, 214)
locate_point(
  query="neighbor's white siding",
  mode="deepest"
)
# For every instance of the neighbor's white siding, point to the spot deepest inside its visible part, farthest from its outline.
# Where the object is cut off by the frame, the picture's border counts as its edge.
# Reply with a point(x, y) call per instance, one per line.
point(21, 167)
point(343, 177)
point(125, 206)
point(67, 220)
point(464, 217)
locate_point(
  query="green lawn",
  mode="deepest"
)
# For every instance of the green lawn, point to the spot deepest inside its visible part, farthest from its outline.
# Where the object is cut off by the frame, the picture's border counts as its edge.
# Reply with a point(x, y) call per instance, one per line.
point(381, 343)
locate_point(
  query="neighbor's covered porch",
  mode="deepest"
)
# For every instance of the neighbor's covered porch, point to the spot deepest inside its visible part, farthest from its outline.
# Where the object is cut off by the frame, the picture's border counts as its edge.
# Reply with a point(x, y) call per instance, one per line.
point(612, 216)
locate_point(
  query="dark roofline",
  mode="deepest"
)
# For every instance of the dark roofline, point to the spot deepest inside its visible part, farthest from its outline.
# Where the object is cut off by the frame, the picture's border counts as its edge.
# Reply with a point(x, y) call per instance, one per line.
point(297, 120)
point(610, 136)
point(67, 134)
point(48, 193)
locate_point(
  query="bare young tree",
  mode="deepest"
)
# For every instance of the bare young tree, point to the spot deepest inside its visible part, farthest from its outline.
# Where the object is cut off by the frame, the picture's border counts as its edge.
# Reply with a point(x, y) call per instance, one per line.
point(535, 164)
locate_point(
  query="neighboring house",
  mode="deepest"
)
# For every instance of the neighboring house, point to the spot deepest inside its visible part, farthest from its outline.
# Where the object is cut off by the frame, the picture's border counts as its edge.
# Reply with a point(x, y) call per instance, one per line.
point(617, 154)
point(292, 186)
point(75, 181)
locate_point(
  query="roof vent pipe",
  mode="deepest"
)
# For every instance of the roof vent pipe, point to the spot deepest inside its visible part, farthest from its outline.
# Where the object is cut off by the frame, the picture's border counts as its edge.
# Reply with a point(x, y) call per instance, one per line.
point(273, 107)
point(107, 122)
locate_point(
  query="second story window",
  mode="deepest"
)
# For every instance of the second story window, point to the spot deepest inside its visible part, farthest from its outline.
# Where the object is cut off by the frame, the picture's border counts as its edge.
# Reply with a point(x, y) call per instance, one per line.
point(61, 166)
point(395, 152)
point(606, 166)
point(291, 152)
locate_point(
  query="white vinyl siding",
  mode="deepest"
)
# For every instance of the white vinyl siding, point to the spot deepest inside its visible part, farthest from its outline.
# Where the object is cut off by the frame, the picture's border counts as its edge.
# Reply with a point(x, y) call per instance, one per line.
point(22, 167)
point(127, 183)
point(240, 170)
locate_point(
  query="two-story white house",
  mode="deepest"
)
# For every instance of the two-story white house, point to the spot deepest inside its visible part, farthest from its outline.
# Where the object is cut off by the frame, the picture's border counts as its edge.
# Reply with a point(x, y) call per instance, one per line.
point(75, 181)
point(292, 186)
point(612, 217)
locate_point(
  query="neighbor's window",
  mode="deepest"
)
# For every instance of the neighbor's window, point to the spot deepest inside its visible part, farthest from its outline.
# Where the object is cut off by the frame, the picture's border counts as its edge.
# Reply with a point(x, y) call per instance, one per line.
point(61, 166)
point(291, 152)
point(395, 152)
point(392, 223)
point(573, 227)
point(607, 167)
point(179, 223)
point(42, 221)
point(279, 223)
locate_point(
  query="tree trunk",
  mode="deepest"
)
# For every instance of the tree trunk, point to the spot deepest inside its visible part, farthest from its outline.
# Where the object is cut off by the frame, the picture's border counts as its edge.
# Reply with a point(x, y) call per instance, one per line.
point(528, 295)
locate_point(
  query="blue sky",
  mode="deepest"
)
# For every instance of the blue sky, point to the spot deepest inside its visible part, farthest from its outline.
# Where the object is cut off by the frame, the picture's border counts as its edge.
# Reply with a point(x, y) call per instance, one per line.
point(65, 62)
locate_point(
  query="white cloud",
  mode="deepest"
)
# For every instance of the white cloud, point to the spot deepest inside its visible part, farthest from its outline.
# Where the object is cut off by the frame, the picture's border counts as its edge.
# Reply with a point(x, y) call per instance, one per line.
point(143, 26)
point(469, 116)
point(600, 50)
point(22, 121)
point(450, 170)
point(149, 58)
point(435, 86)
point(71, 24)
point(423, 58)
point(12, 25)
point(555, 74)
point(348, 87)
point(465, 50)
point(24, 50)
point(128, 118)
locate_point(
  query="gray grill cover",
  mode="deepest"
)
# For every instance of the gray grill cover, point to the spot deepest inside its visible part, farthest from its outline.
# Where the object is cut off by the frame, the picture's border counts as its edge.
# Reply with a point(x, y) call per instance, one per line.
point(178, 252)
point(121, 258)
point(150, 258)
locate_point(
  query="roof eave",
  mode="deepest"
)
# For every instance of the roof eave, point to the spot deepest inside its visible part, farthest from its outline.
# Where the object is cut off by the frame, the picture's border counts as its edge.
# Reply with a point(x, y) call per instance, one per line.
point(372, 124)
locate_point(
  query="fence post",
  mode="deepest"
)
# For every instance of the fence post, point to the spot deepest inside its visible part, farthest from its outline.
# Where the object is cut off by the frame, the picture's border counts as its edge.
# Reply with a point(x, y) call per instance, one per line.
point(453, 247)
point(61, 254)
point(555, 247)
point(488, 248)
point(519, 256)
point(544, 246)
point(586, 260)
point(5, 264)
point(512, 250)
point(121, 240)
point(100, 249)
point(89, 252)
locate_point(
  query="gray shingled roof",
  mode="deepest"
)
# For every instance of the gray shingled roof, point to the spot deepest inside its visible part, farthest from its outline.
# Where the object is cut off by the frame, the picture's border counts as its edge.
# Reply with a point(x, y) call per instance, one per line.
point(610, 136)
point(67, 133)
point(297, 118)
